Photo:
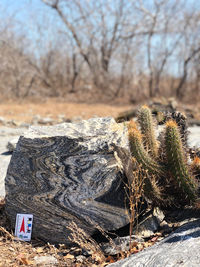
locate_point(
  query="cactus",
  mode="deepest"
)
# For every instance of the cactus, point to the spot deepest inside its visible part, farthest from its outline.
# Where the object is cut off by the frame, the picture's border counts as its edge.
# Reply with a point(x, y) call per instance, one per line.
point(177, 162)
point(167, 168)
point(152, 168)
point(139, 152)
point(145, 120)
point(181, 121)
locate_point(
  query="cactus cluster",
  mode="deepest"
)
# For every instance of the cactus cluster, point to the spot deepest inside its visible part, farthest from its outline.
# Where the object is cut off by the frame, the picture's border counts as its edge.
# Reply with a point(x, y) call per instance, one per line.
point(171, 179)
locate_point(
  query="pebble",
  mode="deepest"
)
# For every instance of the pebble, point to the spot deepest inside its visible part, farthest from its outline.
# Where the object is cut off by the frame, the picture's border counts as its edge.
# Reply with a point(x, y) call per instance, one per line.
point(77, 119)
point(46, 120)
point(12, 144)
point(45, 260)
point(80, 258)
point(2, 120)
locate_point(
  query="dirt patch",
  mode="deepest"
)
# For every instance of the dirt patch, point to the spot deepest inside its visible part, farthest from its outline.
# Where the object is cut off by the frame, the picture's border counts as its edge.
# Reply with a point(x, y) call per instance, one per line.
point(25, 111)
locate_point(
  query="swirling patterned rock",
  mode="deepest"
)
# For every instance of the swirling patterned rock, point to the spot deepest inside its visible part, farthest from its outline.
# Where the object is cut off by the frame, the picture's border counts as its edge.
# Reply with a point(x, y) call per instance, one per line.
point(69, 172)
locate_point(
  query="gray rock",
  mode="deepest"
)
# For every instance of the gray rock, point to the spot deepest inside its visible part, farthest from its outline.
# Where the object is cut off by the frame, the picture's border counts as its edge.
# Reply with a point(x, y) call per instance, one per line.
point(180, 248)
point(127, 115)
point(194, 137)
point(6, 134)
point(194, 122)
point(119, 244)
point(13, 123)
point(46, 121)
point(173, 103)
point(62, 118)
point(35, 119)
point(145, 228)
point(2, 120)
point(12, 144)
point(76, 119)
point(69, 172)
point(150, 224)
point(24, 125)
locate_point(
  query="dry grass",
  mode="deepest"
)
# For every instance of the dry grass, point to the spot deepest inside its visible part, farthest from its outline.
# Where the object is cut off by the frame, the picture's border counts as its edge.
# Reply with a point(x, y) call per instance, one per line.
point(84, 241)
point(24, 111)
point(18, 253)
point(135, 195)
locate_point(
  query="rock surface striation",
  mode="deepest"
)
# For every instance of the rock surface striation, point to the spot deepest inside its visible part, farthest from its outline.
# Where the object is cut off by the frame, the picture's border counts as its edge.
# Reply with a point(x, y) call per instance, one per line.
point(69, 172)
point(180, 248)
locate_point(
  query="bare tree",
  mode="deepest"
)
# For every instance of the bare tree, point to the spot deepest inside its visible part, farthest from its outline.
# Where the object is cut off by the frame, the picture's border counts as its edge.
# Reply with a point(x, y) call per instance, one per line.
point(96, 28)
point(119, 48)
point(190, 49)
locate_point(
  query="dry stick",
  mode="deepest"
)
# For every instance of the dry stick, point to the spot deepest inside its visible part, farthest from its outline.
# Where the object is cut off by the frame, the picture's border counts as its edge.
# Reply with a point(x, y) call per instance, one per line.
point(2, 229)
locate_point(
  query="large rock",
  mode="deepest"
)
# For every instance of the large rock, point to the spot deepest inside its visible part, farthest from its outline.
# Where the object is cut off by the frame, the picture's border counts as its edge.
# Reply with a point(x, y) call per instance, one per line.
point(180, 248)
point(6, 134)
point(69, 172)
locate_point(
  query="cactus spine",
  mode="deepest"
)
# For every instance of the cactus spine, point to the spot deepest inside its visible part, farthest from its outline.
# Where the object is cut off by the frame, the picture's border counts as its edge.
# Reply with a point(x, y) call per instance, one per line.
point(139, 152)
point(167, 169)
point(177, 162)
point(145, 120)
point(151, 167)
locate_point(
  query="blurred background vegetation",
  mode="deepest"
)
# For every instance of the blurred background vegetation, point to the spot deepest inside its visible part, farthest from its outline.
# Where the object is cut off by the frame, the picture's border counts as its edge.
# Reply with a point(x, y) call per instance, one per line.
point(90, 50)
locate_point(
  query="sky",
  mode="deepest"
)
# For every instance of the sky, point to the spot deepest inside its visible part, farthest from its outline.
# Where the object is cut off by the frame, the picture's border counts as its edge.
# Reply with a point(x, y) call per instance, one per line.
point(27, 16)
point(31, 13)
point(39, 23)
point(25, 11)
point(21, 9)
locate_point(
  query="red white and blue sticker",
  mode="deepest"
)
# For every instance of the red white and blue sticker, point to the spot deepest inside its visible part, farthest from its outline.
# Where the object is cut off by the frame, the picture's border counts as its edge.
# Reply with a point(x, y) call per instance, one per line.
point(23, 226)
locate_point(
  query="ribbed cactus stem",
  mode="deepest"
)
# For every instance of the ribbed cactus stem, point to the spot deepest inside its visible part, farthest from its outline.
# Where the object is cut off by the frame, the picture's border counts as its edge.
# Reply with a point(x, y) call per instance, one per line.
point(145, 120)
point(152, 168)
point(138, 151)
point(177, 161)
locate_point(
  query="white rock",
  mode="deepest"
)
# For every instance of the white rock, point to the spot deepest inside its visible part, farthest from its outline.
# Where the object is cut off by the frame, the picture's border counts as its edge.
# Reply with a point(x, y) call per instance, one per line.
point(45, 260)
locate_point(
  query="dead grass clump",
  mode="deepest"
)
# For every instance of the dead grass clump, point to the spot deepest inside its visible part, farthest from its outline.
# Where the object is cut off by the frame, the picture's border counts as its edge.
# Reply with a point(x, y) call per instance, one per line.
point(135, 196)
point(82, 239)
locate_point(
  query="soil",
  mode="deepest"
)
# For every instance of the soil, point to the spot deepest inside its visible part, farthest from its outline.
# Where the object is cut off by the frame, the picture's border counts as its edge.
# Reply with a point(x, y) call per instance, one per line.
point(24, 111)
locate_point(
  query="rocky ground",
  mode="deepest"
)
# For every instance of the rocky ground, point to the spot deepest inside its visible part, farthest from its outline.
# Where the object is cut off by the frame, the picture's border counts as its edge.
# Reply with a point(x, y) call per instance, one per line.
point(15, 118)
point(14, 113)
point(38, 253)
